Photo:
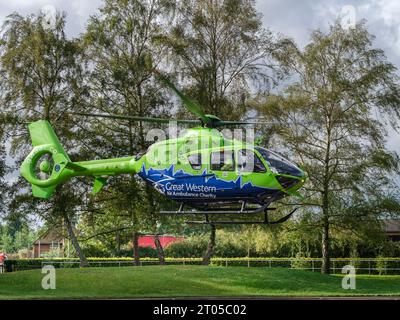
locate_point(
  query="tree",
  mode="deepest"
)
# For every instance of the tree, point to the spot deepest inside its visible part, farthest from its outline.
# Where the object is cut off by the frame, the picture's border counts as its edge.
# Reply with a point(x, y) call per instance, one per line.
point(221, 48)
point(41, 70)
point(3, 137)
point(122, 57)
point(2, 173)
point(327, 119)
point(23, 239)
point(222, 51)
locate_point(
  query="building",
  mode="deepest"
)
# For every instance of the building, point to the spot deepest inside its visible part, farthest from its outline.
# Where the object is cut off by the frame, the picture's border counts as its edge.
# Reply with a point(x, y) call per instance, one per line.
point(392, 229)
point(148, 241)
point(50, 241)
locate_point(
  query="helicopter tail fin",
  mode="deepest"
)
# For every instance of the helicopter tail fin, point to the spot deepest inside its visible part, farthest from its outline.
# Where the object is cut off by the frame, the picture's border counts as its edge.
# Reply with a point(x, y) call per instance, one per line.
point(48, 165)
point(45, 167)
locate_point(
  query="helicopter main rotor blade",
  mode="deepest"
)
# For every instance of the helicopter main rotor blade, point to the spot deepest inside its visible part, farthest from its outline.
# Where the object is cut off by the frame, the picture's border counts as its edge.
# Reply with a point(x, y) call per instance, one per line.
point(191, 105)
point(135, 118)
point(164, 120)
point(240, 123)
point(208, 120)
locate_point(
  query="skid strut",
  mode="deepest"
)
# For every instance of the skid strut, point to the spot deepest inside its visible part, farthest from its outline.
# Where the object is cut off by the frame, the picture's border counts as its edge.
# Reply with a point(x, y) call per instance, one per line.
point(264, 208)
point(265, 222)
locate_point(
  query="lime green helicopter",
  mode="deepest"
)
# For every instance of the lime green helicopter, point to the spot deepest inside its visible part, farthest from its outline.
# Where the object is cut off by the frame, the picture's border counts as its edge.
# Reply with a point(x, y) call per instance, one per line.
point(201, 170)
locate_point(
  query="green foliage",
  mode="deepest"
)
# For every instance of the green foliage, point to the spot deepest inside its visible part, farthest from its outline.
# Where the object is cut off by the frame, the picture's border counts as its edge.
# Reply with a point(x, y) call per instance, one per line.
point(380, 265)
point(3, 185)
point(42, 79)
point(222, 47)
point(191, 247)
point(121, 81)
point(39, 65)
point(6, 242)
point(97, 250)
point(341, 80)
point(222, 53)
point(299, 262)
point(53, 253)
point(21, 239)
point(291, 240)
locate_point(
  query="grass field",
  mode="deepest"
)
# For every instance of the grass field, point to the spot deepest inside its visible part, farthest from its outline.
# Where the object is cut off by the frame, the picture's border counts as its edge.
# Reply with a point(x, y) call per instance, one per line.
point(188, 281)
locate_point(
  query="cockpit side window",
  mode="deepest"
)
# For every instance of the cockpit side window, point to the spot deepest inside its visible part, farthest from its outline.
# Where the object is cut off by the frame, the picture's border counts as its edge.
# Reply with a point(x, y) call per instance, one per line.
point(195, 161)
point(248, 161)
point(222, 160)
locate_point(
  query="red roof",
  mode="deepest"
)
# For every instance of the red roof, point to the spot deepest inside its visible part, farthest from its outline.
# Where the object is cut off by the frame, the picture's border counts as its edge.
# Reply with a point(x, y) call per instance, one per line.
point(148, 241)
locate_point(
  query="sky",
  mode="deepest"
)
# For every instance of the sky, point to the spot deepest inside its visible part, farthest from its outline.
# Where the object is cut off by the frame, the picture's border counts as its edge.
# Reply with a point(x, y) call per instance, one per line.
point(292, 18)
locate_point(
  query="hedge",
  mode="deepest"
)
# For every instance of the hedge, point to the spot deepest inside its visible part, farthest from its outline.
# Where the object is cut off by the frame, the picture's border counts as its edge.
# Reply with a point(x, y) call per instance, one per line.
point(383, 265)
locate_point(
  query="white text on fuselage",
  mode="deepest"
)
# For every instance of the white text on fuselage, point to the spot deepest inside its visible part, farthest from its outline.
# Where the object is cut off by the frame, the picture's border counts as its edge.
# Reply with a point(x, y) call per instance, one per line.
point(190, 190)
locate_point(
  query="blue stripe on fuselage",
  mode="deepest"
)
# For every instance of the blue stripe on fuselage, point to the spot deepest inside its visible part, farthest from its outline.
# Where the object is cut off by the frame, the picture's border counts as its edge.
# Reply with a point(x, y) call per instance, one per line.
point(180, 185)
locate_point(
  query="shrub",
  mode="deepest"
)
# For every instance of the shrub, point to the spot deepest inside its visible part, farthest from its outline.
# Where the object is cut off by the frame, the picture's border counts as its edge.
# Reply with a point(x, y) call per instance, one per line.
point(98, 251)
point(147, 252)
point(300, 262)
point(380, 265)
point(190, 248)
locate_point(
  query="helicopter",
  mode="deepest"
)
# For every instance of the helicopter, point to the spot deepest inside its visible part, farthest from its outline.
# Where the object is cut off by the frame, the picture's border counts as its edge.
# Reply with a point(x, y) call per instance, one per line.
point(201, 170)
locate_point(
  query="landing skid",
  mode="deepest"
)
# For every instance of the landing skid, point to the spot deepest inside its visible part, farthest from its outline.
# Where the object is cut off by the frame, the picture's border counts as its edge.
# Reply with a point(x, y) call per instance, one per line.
point(243, 210)
point(264, 208)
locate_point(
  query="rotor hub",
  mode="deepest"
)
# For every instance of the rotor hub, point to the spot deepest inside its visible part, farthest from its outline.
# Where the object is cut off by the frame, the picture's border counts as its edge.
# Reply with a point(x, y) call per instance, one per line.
point(45, 166)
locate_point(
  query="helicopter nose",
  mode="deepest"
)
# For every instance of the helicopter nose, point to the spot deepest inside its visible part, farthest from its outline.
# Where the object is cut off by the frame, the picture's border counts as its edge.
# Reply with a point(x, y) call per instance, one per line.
point(287, 182)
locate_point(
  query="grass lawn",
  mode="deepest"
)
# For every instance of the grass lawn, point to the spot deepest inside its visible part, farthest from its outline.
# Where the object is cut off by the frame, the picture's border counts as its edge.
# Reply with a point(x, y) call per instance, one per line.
point(186, 281)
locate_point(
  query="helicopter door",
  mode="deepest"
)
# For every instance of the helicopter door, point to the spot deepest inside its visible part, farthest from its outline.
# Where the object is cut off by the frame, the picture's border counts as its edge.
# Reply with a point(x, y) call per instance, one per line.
point(223, 161)
point(195, 161)
point(249, 167)
point(222, 168)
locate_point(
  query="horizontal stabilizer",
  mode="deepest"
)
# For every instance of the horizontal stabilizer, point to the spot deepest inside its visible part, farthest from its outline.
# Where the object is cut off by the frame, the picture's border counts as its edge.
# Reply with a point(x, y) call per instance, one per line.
point(99, 183)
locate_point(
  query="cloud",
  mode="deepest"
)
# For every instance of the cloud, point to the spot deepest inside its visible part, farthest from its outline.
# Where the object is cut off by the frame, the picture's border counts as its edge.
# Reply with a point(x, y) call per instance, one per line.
point(387, 10)
point(77, 11)
point(383, 19)
point(291, 18)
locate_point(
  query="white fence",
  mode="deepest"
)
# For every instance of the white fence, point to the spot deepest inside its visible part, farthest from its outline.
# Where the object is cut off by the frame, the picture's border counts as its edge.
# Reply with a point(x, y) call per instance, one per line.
point(366, 266)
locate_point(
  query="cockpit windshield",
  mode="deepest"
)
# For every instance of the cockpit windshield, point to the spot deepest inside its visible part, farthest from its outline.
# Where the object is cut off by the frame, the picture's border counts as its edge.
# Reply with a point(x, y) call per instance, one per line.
point(279, 164)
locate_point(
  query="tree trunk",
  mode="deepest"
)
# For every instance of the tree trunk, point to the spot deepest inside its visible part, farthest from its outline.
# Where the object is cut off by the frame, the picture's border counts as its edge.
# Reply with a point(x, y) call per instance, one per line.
point(136, 257)
point(82, 259)
point(210, 248)
point(326, 261)
point(118, 241)
point(326, 265)
point(152, 211)
point(160, 250)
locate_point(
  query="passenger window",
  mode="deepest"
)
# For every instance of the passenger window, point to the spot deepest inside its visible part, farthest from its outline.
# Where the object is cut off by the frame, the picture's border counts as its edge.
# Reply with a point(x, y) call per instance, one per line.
point(222, 160)
point(195, 161)
point(248, 161)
